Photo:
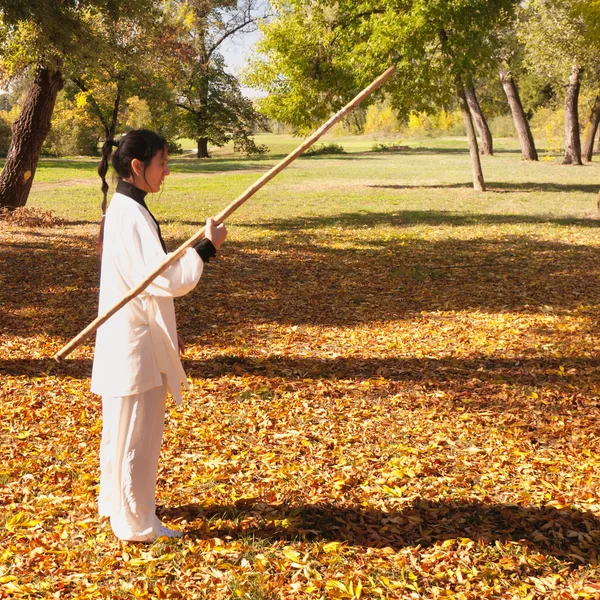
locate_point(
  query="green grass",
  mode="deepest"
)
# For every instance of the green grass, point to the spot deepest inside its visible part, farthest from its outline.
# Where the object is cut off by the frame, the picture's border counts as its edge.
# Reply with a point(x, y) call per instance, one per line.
point(433, 179)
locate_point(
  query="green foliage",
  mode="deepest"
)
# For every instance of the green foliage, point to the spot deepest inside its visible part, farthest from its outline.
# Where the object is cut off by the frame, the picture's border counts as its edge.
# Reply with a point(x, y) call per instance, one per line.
point(73, 132)
point(314, 56)
point(61, 35)
point(555, 40)
point(128, 76)
point(590, 11)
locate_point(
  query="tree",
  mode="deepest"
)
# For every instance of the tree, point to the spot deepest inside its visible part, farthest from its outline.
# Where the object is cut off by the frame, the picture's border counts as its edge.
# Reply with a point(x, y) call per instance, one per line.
point(510, 59)
point(590, 12)
point(130, 61)
point(485, 135)
point(316, 55)
point(478, 181)
point(528, 150)
point(211, 105)
point(50, 39)
point(591, 128)
point(556, 43)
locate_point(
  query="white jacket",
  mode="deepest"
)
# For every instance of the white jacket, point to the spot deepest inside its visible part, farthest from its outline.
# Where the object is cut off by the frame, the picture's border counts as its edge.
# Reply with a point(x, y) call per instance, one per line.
point(139, 342)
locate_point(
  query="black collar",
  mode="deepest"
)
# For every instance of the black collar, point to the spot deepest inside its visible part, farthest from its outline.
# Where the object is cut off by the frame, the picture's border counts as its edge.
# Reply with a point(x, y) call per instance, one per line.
point(129, 190)
point(137, 195)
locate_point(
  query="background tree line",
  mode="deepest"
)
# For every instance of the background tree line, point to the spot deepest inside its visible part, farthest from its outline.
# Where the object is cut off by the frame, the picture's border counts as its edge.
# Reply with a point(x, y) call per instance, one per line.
point(87, 68)
point(483, 57)
point(80, 71)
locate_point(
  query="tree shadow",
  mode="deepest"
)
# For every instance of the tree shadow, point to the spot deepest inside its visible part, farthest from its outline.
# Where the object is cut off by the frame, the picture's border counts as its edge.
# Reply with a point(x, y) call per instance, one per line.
point(568, 534)
point(464, 149)
point(77, 164)
point(301, 282)
point(42, 367)
point(181, 164)
point(406, 218)
point(501, 187)
point(564, 372)
point(48, 287)
point(52, 288)
point(522, 370)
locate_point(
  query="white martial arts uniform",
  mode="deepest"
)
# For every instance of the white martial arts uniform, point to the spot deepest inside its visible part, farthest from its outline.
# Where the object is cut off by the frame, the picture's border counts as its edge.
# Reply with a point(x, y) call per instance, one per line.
point(136, 362)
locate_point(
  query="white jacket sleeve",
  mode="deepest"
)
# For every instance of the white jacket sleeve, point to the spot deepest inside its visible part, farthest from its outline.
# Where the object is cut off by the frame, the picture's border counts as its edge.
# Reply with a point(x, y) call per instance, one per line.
point(146, 254)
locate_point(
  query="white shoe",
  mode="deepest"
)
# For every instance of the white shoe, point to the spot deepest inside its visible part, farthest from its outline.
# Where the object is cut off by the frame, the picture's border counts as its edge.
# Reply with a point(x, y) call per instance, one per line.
point(170, 533)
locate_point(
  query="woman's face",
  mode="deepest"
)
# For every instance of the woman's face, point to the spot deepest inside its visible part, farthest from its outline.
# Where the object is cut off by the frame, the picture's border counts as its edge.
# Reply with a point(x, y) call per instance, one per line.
point(151, 178)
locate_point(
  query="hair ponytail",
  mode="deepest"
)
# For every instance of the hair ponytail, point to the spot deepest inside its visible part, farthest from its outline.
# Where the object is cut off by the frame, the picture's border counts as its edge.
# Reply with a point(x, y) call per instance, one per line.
point(102, 170)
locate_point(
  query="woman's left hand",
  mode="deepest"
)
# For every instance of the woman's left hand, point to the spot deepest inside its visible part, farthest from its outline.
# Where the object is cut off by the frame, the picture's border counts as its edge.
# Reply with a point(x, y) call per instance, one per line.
point(180, 344)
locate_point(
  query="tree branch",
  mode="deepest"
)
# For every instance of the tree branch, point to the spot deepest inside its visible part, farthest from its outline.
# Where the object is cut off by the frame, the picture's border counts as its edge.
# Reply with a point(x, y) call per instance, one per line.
point(184, 107)
point(81, 85)
point(229, 34)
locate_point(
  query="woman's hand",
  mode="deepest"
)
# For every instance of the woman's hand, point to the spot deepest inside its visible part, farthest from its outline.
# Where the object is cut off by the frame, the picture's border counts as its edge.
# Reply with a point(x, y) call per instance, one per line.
point(180, 344)
point(215, 233)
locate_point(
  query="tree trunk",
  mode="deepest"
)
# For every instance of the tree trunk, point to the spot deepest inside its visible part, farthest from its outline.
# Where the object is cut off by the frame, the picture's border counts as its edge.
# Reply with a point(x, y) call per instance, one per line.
point(528, 151)
point(478, 181)
point(203, 148)
point(485, 135)
point(111, 128)
point(28, 134)
point(572, 139)
point(590, 131)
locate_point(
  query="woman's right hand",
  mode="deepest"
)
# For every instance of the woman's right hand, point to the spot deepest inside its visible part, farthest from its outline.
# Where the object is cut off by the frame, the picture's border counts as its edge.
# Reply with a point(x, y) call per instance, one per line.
point(215, 233)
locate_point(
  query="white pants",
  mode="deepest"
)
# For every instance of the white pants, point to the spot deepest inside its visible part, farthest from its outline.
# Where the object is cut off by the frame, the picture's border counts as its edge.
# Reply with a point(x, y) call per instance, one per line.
point(132, 431)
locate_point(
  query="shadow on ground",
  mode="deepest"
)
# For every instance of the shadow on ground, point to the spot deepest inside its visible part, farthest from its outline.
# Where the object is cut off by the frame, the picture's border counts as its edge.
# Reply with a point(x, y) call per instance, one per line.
point(407, 218)
point(499, 187)
point(51, 288)
point(520, 370)
point(564, 533)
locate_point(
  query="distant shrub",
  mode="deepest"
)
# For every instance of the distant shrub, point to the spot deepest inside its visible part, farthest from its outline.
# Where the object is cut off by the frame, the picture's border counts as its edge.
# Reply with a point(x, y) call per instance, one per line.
point(382, 119)
point(71, 139)
point(26, 216)
point(394, 147)
point(73, 131)
point(502, 126)
point(548, 125)
point(441, 123)
point(247, 145)
point(174, 147)
point(325, 149)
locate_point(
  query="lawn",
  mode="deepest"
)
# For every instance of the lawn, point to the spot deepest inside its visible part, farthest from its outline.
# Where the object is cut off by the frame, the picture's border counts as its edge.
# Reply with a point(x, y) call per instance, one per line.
point(395, 384)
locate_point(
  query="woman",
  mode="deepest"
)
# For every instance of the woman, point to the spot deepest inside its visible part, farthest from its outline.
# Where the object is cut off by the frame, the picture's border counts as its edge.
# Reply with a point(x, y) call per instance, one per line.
point(136, 360)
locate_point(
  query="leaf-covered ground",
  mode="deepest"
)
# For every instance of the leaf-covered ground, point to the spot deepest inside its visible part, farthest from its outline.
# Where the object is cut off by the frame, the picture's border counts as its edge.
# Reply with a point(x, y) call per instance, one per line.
point(391, 399)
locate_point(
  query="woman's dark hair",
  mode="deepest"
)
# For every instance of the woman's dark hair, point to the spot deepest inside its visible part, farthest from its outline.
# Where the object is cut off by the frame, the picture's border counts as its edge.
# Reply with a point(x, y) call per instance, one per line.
point(139, 143)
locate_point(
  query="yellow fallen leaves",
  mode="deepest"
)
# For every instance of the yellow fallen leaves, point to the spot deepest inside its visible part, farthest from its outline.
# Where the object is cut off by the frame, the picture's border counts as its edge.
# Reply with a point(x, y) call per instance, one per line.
point(21, 521)
point(356, 429)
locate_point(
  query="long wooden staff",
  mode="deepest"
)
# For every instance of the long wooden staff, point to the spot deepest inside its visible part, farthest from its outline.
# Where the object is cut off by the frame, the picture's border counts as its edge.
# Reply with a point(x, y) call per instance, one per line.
point(175, 256)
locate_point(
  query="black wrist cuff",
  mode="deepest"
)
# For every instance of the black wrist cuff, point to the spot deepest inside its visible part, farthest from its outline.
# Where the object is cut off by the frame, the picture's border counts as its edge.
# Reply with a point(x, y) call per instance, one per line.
point(206, 250)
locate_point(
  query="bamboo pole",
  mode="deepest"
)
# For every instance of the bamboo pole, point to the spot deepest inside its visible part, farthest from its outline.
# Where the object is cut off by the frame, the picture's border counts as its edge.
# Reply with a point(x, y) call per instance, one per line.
point(175, 256)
